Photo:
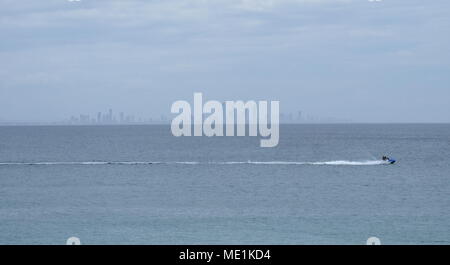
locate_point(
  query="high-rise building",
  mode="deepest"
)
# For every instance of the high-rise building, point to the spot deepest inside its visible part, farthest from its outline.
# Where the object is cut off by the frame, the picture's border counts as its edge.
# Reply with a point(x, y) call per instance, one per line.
point(122, 119)
point(110, 116)
point(299, 116)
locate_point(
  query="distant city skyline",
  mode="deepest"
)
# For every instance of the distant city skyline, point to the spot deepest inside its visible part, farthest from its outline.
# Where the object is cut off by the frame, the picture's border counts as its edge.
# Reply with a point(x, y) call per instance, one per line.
point(110, 117)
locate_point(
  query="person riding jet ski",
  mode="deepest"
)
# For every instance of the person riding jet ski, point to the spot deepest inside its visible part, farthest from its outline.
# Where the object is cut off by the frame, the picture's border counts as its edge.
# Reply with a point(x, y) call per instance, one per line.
point(386, 158)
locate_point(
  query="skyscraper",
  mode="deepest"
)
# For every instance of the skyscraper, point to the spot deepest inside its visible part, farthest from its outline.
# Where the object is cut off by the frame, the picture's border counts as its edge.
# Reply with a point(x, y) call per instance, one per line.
point(110, 116)
point(121, 119)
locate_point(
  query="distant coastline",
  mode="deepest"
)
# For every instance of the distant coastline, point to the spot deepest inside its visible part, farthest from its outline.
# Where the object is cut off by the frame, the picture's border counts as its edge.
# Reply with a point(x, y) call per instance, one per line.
point(6, 124)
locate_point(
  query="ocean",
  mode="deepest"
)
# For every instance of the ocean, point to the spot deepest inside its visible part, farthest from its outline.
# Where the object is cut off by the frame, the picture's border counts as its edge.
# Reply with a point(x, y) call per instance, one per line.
point(323, 184)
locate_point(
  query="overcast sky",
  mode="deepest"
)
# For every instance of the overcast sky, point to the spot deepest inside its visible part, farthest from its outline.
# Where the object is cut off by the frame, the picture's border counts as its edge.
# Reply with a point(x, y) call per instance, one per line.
point(358, 60)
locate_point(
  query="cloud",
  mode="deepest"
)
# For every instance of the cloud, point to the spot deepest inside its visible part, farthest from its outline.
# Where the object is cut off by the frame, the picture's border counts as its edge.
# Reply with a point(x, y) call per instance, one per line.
point(287, 49)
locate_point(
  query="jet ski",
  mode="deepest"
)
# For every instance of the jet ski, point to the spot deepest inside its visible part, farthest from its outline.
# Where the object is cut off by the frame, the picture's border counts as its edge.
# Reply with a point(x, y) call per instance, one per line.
point(389, 160)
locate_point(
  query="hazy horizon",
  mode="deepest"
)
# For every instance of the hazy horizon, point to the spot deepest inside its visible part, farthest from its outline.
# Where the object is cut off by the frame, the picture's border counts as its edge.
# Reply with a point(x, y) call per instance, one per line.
point(349, 60)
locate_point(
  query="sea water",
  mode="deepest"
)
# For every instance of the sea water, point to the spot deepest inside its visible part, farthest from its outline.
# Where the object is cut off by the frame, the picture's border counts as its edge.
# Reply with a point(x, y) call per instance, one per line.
point(323, 184)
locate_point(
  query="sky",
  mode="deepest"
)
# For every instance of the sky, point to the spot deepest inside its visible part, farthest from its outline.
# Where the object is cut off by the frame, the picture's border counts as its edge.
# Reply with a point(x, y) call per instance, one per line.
point(355, 60)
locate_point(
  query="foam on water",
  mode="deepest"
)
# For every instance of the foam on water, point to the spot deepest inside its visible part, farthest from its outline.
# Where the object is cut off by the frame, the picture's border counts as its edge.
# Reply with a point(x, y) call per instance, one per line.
point(93, 163)
point(325, 163)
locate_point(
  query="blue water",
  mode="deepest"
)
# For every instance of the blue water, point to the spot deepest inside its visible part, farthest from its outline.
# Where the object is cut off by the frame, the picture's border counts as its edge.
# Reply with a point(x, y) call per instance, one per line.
point(323, 184)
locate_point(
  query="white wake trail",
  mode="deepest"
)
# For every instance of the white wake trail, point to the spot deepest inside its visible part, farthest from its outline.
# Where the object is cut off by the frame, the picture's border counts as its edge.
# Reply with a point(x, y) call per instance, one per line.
point(94, 163)
point(324, 163)
point(353, 163)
